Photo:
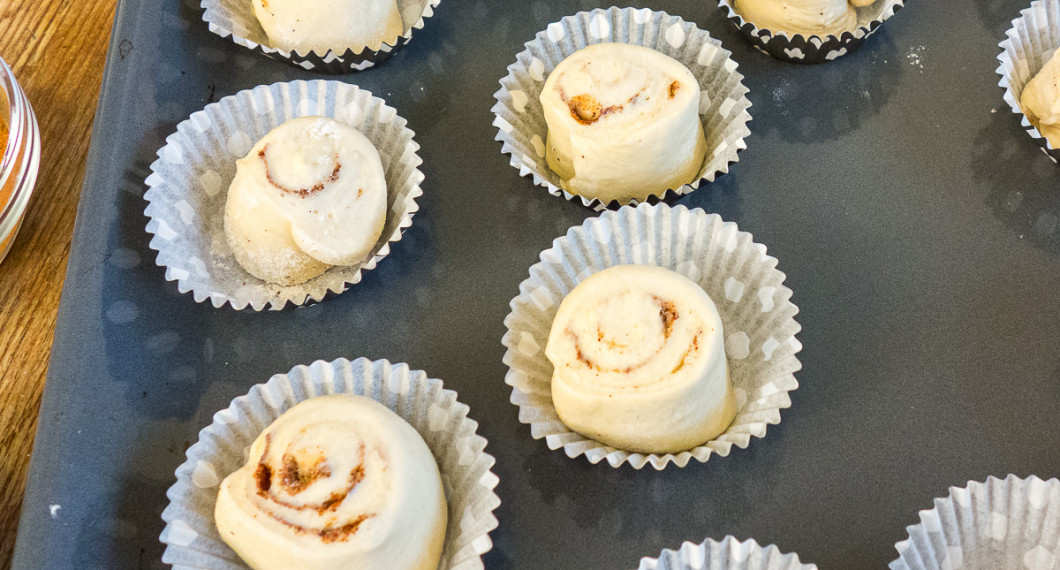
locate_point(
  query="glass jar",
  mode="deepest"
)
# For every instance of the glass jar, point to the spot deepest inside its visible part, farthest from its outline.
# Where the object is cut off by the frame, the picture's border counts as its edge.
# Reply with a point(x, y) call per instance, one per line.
point(21, 158)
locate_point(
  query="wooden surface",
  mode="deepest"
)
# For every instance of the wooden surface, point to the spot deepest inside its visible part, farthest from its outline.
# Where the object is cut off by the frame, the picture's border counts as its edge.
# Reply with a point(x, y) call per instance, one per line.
point(57, 50)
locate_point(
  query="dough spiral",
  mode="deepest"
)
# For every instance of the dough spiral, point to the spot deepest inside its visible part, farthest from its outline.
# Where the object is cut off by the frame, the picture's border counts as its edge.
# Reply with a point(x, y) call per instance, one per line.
point(623, 122)
point(639, 361)
point(336, 482)
point(310, 194)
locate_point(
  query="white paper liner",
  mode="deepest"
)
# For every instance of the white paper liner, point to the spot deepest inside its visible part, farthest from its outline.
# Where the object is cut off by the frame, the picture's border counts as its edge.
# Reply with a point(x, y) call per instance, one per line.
point(189, 183)
point(235, 19)
point(1028, 44)
point(756, 312)
point(729, 554)
point(190, 535)
point(521, 123)
point(814, 48)
point(1000, 524)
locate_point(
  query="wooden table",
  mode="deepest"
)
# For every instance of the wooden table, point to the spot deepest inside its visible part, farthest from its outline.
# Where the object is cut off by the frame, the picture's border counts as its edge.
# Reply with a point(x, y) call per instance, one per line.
point(57, 50)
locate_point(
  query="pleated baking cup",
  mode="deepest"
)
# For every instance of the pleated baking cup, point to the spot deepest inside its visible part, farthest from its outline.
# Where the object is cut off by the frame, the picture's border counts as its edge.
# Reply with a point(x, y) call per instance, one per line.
point(1027, 46)
point(189, 183)
point(235, 19)
point(729, 554)
point(520, 121)
point(1000, 524)
point(757, 316)
point(800, 48)
point(190, 535)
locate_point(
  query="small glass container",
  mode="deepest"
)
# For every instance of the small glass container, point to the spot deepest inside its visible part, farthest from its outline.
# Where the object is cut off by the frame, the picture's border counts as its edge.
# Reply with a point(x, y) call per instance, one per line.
point(21, 158)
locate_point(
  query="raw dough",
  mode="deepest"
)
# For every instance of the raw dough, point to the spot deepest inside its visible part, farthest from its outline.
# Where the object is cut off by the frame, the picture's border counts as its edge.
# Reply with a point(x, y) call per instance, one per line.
point(322, 25)
point(806, 17)
point(336, 482)
point(623, 122)
point(310, 194)
point(639, 361)
point(1040, 100)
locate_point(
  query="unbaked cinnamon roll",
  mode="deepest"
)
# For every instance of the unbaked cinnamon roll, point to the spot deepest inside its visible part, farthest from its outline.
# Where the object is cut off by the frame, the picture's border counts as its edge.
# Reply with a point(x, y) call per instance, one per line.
point(639, 361)
point(309, 195)
point(806, 17)
point(623, 122)
point(322, 25)
point(1040, 100)
point(336, 482)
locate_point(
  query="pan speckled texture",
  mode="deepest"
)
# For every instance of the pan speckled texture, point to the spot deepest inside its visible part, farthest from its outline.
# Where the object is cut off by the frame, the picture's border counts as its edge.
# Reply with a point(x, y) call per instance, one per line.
point(917, 224)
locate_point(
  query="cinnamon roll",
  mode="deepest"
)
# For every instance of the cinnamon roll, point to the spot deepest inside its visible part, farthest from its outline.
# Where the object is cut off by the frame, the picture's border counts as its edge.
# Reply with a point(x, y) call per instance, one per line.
point(309, 195)
point(336, 482)
point(322, 25)
point(1040, 100)
point(623, 122)
point(639, 361)
point(806, 17)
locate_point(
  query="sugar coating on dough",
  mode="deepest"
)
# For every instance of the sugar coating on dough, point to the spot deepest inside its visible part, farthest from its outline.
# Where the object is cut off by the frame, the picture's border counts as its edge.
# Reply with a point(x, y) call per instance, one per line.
point(336, 482)
point(309, 195)
point(806, 17)
point(639, 361)
point(322, 25)
point(623, 122)
point(1040, 100)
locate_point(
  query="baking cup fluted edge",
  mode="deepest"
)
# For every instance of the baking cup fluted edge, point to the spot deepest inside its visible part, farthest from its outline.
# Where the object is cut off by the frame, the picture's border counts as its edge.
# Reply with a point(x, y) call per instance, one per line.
point(755, 306)
point(999, 523)
point(188, 186)
point(724, 105)
point(1028, 44)
point(234, 19)
point(800, 48)
point(190, 534)
point(728, 554)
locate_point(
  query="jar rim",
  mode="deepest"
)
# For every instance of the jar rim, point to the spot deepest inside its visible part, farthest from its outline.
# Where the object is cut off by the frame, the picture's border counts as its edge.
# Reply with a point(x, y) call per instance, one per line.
point(21, 155)
point(13, 94)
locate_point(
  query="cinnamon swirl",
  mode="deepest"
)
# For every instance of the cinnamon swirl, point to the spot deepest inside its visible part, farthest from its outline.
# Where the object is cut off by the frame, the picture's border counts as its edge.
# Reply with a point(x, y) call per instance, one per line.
point(623, 122)
point(639, 361)
point(309, 195)
point(336, 482)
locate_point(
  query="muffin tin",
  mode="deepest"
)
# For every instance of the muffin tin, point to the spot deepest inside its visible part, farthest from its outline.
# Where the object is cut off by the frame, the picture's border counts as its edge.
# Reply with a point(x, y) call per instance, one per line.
point(917, 229)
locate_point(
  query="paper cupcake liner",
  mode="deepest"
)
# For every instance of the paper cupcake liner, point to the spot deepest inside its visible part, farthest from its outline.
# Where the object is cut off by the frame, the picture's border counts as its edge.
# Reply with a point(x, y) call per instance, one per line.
point(756, 312)
point(723, 108)
point(190, 534)
point(189, 182)
point(235, 19)
point(729, 554)
point(813, 49)
point(1028, 44)
point(1009, 523)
